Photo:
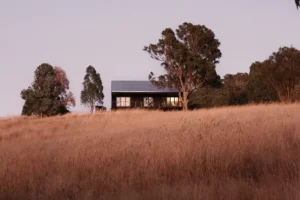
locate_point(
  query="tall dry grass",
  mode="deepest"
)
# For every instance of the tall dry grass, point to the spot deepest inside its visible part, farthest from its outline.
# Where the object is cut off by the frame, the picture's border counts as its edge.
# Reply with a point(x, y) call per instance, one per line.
point(249, 152)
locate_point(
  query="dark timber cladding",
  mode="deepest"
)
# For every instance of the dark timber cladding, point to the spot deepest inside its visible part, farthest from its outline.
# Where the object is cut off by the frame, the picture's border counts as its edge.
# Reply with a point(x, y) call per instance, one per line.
point(142, 94)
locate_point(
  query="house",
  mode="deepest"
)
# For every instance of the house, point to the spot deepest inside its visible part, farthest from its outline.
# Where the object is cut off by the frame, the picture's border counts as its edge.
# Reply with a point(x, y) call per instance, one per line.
point(143, 94)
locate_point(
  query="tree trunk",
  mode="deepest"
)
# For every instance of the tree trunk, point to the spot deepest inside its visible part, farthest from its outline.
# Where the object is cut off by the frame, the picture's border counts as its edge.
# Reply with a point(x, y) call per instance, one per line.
point(185, 101)
point(286, 96)
point(92, 108)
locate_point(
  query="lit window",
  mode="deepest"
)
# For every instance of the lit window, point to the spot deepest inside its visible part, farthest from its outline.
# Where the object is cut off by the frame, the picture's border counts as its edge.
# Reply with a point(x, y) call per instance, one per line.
point(123, 101)
point(172, 101)
point(148, 102)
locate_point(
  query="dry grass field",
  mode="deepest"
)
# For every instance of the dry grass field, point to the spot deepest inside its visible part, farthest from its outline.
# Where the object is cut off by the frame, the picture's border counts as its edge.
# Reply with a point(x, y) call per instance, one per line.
point(250, 152)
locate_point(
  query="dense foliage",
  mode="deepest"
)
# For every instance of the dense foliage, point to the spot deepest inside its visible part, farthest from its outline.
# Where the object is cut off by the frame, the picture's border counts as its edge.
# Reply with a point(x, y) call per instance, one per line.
point(48, 95)
point(274, 79)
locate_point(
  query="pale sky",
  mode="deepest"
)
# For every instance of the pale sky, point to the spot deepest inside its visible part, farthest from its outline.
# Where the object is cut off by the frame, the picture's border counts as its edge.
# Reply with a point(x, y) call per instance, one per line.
point(110, 35)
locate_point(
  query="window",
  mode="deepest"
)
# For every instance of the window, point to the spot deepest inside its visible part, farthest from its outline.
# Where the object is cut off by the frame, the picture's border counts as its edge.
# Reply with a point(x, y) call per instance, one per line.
point(172, 101)
point(148, 102)
point(123, 101)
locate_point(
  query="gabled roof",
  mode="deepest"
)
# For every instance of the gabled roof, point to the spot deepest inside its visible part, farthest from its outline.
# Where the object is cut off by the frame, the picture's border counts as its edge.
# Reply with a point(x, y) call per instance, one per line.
point(136, 86)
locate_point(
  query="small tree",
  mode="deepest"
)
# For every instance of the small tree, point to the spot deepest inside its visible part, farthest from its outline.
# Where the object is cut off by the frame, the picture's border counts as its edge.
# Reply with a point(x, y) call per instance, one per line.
point(297, 3)
point(282, 71)
point(44, 96)
point(188, 56)
point(92, 92)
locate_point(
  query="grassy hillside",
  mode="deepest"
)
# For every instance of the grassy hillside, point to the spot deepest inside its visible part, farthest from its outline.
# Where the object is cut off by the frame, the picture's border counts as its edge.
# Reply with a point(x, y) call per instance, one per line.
point(250, 152)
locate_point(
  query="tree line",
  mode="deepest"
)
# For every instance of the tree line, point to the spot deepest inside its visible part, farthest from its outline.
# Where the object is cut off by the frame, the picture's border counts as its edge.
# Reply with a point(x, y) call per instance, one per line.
point(189, 56)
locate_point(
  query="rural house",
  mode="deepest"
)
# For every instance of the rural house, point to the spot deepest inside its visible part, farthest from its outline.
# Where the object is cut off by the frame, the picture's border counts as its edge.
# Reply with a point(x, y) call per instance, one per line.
point(142, 94)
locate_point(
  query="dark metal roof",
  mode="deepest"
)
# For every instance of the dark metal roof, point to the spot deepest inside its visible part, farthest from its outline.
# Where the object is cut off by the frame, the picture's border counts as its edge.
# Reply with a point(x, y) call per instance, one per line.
point(136, 86)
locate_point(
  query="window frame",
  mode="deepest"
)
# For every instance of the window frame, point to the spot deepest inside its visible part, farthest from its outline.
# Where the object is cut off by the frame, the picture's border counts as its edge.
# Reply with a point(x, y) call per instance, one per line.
point(123, 102)
point(172, 101)
point(147, 100)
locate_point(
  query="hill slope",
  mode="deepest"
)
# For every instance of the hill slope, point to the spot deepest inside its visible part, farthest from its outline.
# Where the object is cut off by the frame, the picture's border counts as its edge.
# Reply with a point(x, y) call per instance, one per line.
point(250, 152)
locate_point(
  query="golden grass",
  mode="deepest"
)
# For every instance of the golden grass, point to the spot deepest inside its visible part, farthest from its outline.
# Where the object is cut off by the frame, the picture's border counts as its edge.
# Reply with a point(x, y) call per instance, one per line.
point(249, 152)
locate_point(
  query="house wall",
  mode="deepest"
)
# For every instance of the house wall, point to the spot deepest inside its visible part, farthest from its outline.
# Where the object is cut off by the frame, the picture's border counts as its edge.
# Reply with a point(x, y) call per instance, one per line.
point(137, 99)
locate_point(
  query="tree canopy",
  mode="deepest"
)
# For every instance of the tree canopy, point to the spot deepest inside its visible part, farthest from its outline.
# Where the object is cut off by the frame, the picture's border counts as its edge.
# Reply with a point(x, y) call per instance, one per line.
point(259, 90)
point(277, 78)
point(92, 92)
point(188, 55)
point(47, 95)
point(207, 97)
point(235, 85)
point(66, 97)
point(282, 71)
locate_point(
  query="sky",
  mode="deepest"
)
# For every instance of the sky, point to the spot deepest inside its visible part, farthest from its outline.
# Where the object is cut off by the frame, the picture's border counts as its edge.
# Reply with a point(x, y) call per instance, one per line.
point(110, 35)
